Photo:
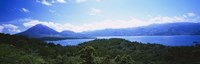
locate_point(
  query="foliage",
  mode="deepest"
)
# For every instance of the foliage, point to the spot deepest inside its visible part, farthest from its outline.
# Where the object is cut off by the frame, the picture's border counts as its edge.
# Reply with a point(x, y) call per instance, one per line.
point(23, 50)
point(88, 54)
point(125, 59)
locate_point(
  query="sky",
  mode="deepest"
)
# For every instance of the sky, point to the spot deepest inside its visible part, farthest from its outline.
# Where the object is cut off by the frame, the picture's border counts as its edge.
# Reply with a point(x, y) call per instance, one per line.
point(88, 15)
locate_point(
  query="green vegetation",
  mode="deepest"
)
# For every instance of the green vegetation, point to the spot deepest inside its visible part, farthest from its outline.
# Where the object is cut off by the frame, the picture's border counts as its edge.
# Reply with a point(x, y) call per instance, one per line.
point(23, 50)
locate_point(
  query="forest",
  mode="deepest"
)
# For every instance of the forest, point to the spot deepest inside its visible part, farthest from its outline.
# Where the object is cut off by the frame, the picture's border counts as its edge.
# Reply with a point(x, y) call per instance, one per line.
point(22, 50)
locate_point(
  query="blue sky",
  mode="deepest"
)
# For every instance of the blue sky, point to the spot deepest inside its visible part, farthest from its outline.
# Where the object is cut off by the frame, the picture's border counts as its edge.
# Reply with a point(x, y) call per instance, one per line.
point(86, 15)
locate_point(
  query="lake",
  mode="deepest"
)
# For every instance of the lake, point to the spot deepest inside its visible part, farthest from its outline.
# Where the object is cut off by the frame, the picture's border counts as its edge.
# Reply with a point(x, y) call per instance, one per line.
point(181, 40)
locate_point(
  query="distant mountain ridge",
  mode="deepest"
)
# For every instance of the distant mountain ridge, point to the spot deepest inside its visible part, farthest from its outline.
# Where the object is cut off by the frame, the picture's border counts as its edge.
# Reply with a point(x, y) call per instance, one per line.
point(182, 28)
point(69, 33)
point(43, 32)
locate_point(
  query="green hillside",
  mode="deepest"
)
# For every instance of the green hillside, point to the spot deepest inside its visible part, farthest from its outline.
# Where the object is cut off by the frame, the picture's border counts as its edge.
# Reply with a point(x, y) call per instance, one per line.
point(23, 50)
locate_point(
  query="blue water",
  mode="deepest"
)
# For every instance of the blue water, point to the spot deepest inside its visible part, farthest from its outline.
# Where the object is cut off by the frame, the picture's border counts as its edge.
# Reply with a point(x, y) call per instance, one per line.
point(71, 41)
point(183, 40)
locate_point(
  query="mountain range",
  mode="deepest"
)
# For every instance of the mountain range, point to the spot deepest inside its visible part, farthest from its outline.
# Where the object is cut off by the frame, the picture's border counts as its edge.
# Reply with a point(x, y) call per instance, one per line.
point(44, 32)
point(181, 28)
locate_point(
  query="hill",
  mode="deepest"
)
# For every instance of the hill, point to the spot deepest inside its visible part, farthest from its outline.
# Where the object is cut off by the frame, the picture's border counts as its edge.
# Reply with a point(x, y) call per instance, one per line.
point(23, 50)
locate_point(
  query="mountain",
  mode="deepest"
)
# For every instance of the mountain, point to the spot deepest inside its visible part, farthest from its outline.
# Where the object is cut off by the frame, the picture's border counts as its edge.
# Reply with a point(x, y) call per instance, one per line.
point(45, 33)
point(68, 33)
point(42, 31)
point(39, 31)
point(182, 28)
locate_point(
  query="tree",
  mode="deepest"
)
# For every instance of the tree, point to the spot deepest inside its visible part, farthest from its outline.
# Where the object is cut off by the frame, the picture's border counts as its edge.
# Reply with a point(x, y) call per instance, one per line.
point(125, 59)
point(88, 55)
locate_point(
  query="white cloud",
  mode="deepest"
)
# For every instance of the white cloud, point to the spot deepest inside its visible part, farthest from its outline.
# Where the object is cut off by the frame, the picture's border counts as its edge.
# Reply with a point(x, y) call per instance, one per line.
point(188, 17)
point(98, 0)
point(114, 24)
point(80, 1)
point(52, 11)
point(191, 14)
point(11, 28)
point(168, 19)
point(61, 1)
point(1, 28)
point(25, 10)
point(50, 2)
point(53, 1)
point(55, 26)
point(45, 2)
point(95, 11)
